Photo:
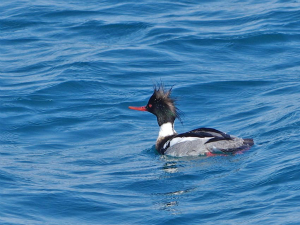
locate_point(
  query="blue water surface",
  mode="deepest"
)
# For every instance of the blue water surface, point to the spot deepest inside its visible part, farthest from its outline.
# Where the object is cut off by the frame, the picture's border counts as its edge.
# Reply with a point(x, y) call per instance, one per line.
point(71, 152)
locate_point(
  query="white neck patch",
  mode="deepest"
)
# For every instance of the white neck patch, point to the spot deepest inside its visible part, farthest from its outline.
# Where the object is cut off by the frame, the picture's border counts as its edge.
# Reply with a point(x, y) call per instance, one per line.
point(166, 129)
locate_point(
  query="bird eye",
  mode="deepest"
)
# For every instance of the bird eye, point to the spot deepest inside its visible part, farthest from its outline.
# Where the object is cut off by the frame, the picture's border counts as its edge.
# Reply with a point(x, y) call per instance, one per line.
point(149, 105)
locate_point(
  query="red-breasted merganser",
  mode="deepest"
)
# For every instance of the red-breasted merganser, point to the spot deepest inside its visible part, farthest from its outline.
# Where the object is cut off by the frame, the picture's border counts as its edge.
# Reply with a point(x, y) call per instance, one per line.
point(201, 141)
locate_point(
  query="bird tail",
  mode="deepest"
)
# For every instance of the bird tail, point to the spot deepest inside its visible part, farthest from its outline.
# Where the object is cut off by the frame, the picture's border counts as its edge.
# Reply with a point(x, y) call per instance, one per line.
point(248, 141)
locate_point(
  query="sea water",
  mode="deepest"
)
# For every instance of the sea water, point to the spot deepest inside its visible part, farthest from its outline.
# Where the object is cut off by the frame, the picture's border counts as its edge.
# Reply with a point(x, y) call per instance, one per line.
point(71, 152)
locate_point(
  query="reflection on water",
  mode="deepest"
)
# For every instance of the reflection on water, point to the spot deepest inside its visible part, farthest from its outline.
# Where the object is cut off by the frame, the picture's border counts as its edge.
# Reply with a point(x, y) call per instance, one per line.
point(170, 167)
point(181, 183)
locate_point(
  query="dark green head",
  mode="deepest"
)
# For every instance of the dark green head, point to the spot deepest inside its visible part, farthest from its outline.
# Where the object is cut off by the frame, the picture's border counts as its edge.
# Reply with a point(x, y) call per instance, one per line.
point(161, 105)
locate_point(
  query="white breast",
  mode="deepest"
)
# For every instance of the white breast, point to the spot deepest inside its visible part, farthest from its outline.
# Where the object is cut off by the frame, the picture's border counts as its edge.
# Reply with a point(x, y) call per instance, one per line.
point(166, 129)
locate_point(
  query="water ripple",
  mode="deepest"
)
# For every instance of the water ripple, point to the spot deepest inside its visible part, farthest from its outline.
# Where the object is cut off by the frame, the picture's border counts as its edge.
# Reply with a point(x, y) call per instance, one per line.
point(72, 152)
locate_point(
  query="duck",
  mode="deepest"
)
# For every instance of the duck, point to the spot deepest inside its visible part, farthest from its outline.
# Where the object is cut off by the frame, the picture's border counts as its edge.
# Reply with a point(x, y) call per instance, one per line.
point(197, 142)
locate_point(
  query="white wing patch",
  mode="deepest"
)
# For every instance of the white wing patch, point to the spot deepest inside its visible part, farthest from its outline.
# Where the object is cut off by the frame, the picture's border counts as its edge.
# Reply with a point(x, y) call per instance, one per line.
point(178, 140)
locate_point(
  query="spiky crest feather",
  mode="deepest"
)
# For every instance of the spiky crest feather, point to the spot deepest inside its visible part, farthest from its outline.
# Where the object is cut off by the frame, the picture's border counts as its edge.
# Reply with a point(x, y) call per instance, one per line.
point(161, 94)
